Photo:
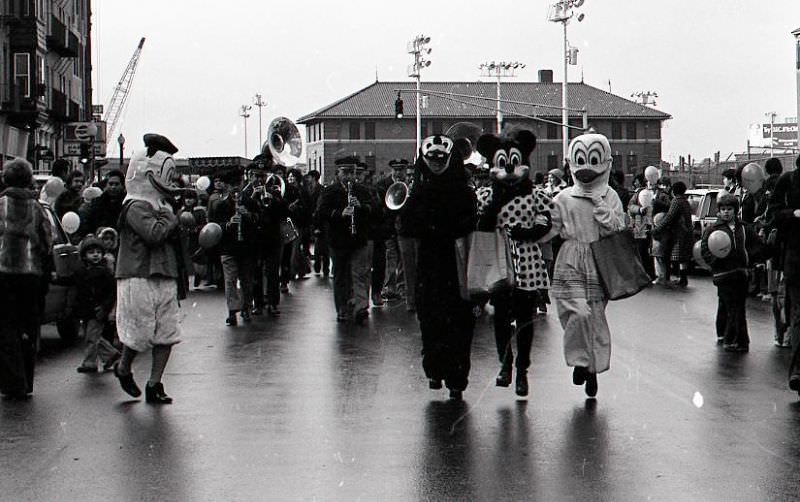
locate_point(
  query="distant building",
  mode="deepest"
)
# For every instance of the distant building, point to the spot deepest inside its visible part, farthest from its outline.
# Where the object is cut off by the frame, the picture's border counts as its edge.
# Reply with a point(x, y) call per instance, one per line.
point(364, 122)
point(45, 76)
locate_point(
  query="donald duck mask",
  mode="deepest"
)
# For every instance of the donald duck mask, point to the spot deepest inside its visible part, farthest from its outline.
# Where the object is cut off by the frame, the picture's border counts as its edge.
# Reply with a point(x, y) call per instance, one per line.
point(150, 173)
point(590, 163)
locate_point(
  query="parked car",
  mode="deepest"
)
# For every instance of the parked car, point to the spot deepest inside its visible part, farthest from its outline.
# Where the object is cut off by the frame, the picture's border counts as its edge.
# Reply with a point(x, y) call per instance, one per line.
point(703, 202)
point(61, 299)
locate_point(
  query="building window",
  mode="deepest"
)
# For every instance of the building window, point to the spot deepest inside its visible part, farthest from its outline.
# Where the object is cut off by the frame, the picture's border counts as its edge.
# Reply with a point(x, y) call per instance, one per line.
point(616, 130)
point(319, 132)
point(632, 162)
point(369, 160)
point(552, 162)
point(22, 72)
point(424, 130)
point(616, 163)
point(552, 131)
point(576, 129)
point(369, 130)
point(355, 130)
point(630, 130)
point(437, 127)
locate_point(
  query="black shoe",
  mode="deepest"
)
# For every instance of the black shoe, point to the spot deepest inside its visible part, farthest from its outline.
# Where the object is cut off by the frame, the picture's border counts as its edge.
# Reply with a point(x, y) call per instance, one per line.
point(257, 311)
point(522, 383)
point(794, 382)
point(127, 383)
point(273, 311)
point(503, 378)
point(246, 316)
point(579, 375)
point(434, 384)
point(456, 395)
point(231, 321)
point(87, 369)
point(591, 384)
point(154, 394)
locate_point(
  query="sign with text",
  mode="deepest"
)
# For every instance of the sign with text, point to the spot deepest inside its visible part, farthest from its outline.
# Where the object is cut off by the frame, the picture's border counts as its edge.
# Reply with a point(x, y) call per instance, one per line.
point(784, 135)
point(74, 149)
point(81, 132)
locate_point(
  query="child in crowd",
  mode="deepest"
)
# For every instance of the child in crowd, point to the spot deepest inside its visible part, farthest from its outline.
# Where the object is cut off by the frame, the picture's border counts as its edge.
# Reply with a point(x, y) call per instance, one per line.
point(110, 240)
point(730, 274)
point(97, 295)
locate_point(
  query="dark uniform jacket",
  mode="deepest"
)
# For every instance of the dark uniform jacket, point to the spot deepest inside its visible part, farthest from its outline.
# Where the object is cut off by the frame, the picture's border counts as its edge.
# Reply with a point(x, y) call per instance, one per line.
point(332, 202)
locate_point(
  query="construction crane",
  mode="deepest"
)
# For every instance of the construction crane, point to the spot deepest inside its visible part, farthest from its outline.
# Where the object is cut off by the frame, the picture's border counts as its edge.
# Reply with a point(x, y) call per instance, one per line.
point(117, 103)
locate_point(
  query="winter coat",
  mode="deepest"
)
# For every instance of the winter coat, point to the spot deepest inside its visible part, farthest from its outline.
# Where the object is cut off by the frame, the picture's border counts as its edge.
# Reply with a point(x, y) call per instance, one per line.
point(26, 239)
point(743, 242)
point(677, 223)
point(147, 242)
point(96, 287)
point(785, 200)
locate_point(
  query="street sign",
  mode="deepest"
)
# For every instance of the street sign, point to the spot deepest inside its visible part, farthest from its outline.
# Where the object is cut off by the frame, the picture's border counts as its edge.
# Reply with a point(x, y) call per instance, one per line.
point(74, 149)
point(97, 109)
point(81, 132)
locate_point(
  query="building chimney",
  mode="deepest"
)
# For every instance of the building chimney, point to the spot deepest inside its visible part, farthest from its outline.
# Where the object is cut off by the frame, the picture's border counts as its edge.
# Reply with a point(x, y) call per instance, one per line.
point(546, 76)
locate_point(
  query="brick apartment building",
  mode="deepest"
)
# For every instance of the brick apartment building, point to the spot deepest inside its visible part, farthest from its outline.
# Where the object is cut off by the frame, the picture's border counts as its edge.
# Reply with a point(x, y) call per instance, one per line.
point(364, 122)
point(45, 76)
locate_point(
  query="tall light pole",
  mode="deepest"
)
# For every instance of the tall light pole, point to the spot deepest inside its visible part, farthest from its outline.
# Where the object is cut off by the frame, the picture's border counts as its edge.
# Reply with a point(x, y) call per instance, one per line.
point(260, 104)
point(243, 113)
point(417, 47)
point(796, 34)
point(501, 69)
point(562, 12)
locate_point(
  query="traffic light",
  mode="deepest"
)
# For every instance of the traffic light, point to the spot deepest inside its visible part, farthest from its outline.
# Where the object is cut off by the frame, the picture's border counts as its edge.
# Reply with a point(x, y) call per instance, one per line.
point(85, 154)
point(398, 106)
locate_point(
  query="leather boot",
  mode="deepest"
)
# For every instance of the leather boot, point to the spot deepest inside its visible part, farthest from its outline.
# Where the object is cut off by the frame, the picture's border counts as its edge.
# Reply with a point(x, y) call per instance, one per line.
point(522, 383)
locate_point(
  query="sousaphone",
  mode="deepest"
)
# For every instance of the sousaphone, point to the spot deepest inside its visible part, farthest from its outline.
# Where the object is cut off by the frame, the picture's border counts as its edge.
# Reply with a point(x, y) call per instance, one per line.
point(283, 142)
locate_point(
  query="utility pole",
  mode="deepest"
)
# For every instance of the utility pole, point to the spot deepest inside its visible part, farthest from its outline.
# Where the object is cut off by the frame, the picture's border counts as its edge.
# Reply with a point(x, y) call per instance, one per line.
point(771, 116)
point(417, 47)
point(501, 69)
point(260, 104)
point(562, 12)
point(243, 113)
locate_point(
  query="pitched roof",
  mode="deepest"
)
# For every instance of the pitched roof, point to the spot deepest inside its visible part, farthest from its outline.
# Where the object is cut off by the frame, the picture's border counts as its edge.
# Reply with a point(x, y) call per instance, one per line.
point(377, 101)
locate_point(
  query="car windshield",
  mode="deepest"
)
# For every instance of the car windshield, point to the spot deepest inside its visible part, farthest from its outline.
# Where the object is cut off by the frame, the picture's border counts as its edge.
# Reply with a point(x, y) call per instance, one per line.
point(694, 202)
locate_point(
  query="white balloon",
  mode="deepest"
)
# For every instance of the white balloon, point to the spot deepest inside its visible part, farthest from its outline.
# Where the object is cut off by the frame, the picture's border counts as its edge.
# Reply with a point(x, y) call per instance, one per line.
point(719, 244)
point(651, 174)
point(91, 193)
point(203, 183)
point(71, 222)
point(645, 198)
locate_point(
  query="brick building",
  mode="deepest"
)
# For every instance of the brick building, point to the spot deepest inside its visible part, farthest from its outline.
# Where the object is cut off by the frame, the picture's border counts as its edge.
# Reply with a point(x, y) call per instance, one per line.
point(364, 122)
point(45, 76)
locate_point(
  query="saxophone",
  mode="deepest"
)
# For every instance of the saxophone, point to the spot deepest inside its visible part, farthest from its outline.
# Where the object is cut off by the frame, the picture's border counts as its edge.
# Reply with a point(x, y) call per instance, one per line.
point(350, 205)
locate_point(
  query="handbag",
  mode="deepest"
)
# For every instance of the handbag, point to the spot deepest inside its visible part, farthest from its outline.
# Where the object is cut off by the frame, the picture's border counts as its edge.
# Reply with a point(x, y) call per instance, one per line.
point(66, 260)
point(288, 231)
point(619, 265)
point(489, 266)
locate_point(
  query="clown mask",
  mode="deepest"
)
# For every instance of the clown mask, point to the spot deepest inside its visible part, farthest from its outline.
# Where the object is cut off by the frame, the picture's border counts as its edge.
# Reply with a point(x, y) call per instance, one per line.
point(590, 162)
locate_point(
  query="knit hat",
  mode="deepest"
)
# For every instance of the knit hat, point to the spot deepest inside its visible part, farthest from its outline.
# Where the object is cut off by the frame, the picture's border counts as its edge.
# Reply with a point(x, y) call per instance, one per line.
point(90, 242)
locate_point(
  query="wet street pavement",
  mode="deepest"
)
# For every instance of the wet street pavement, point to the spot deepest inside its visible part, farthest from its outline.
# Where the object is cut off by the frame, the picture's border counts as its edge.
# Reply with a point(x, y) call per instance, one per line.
point(303, 408)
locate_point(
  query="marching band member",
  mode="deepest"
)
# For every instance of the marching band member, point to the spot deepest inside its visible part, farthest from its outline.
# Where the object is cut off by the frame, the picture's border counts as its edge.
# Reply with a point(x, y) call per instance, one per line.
point(346, 208)
point(238, 219)
point(393, 276)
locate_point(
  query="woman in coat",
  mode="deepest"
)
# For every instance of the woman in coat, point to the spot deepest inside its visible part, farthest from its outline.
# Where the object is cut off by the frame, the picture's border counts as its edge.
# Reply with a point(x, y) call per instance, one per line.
point(440, 209)
point(677, 222)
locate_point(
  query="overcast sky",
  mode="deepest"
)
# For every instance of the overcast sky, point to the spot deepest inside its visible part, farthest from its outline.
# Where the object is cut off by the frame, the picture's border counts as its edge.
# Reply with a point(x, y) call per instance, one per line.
point(717, 66)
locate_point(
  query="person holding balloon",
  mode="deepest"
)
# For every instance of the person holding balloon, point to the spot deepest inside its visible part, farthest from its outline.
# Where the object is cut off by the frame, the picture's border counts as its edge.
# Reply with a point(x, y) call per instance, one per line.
point(723, 248)
point(677, 223)
point(640, 212)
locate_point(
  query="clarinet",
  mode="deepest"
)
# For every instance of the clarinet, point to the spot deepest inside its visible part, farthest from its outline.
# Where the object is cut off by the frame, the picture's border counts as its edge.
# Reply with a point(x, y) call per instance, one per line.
point(237, 199)
point(353, 214)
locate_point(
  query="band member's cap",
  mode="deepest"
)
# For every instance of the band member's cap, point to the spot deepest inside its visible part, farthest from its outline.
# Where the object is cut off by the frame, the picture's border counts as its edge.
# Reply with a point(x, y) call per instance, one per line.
point(558, 173)
point(159, 143)
point(349, 164)
point(398, 163)
point(263, 161)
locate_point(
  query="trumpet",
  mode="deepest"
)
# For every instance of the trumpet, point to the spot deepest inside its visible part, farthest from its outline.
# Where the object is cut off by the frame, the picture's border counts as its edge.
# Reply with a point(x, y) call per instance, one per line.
point(351, 208)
